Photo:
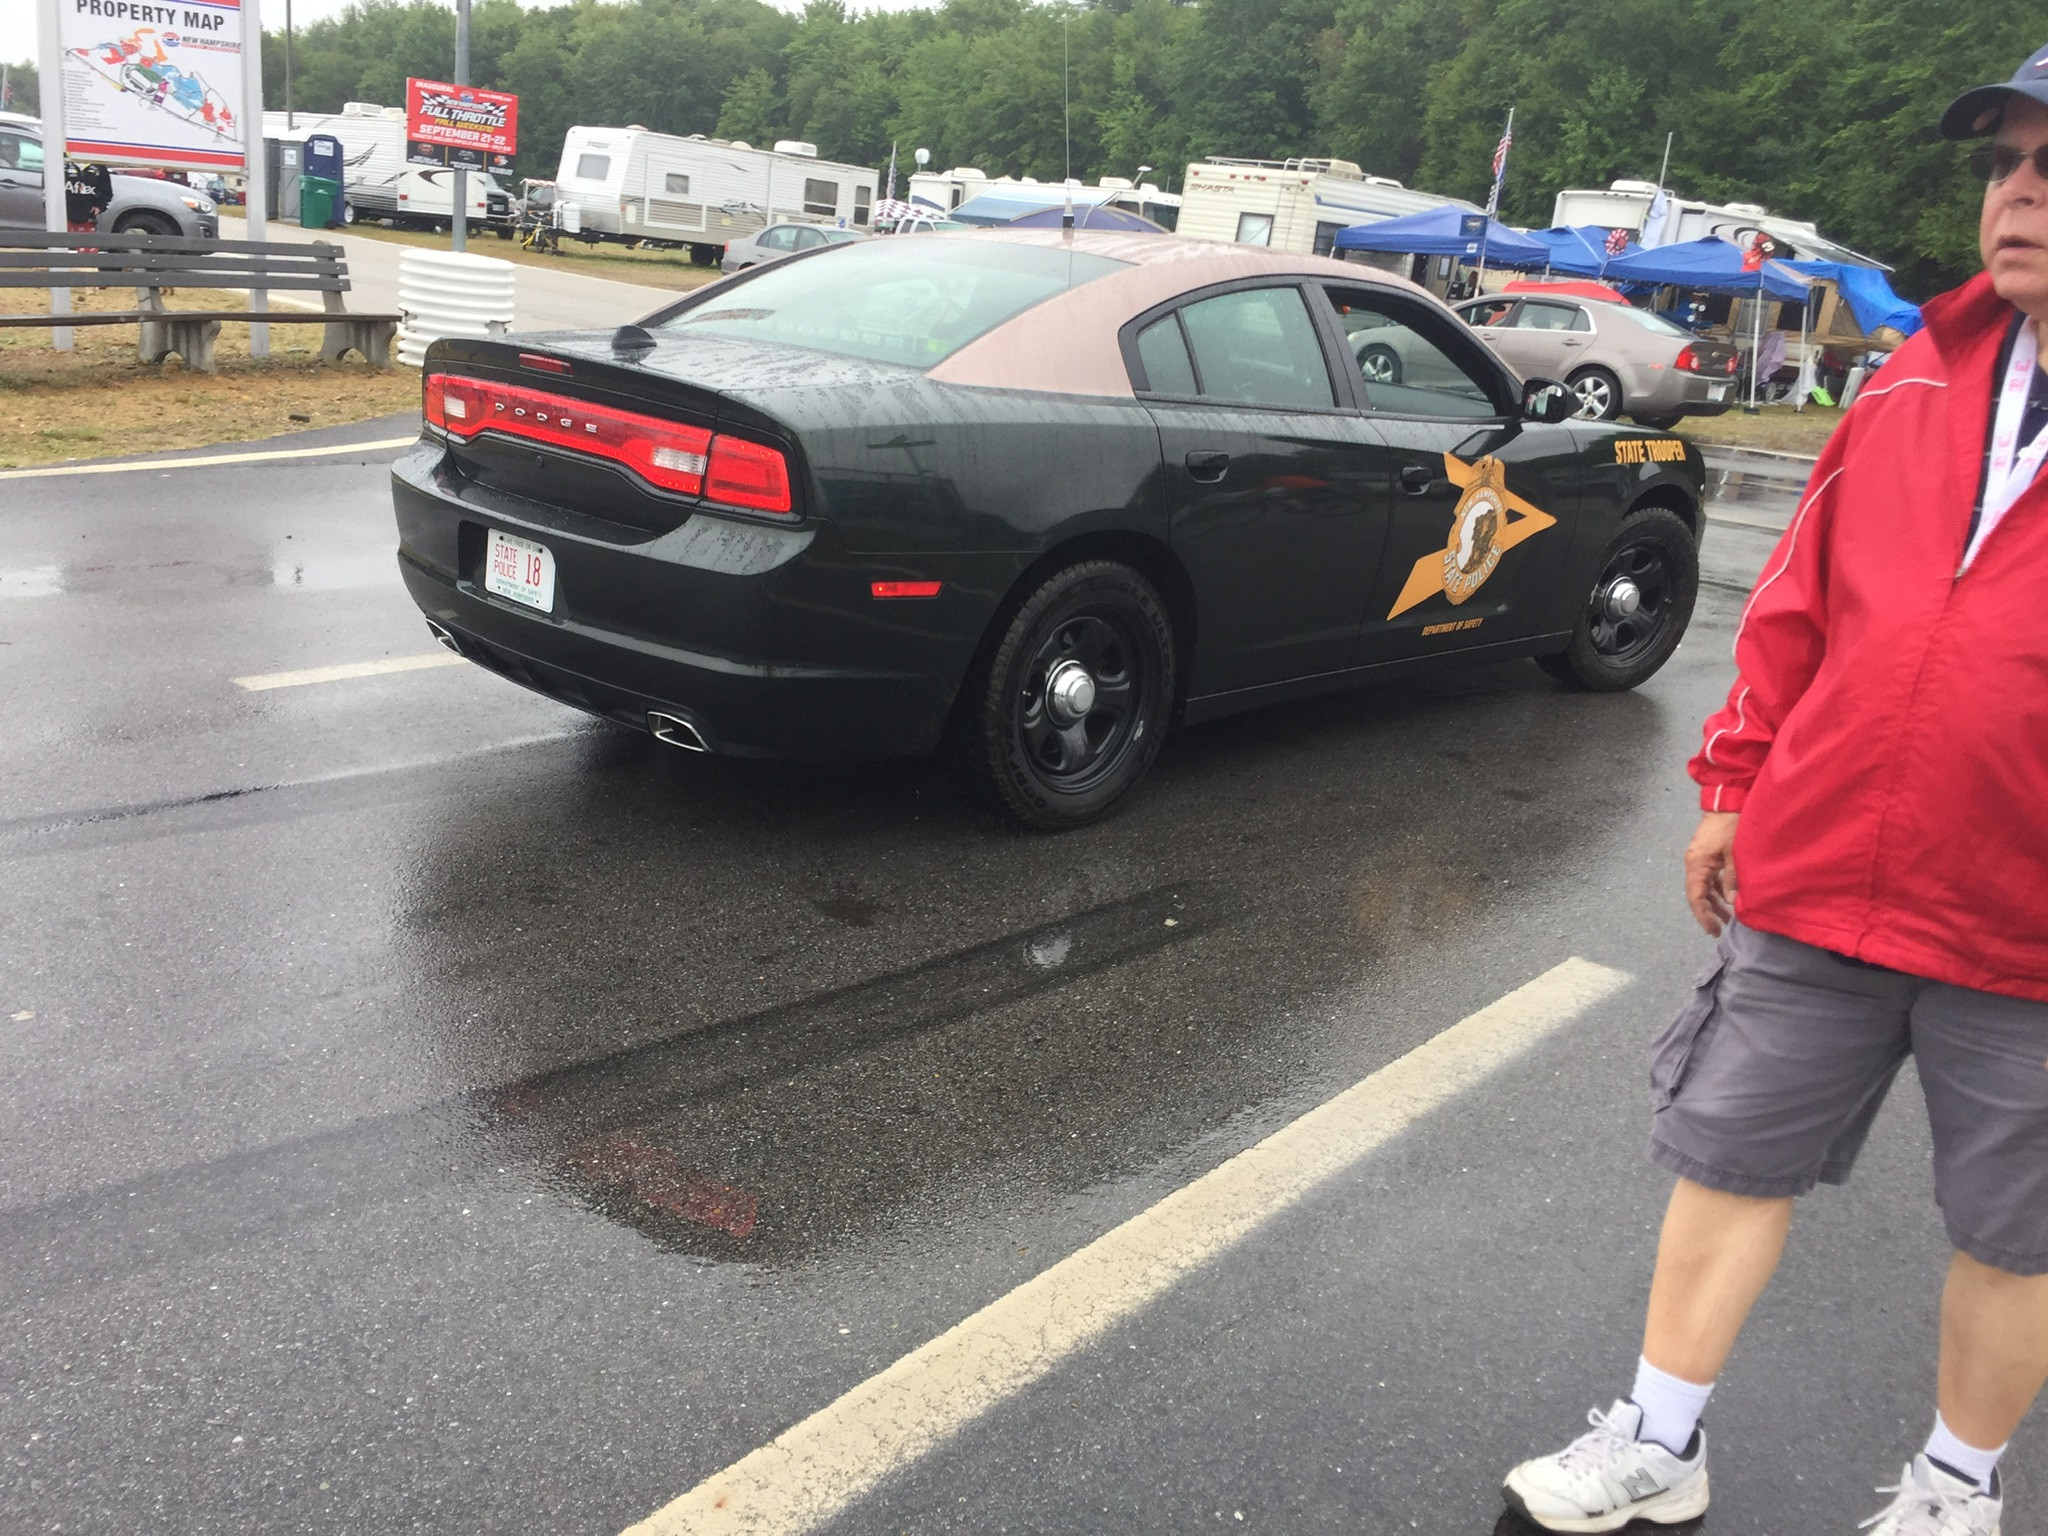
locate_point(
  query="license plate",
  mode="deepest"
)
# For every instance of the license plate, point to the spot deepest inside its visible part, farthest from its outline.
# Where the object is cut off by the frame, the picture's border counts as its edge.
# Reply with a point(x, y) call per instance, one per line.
point(1717, 391)
point(521, 570)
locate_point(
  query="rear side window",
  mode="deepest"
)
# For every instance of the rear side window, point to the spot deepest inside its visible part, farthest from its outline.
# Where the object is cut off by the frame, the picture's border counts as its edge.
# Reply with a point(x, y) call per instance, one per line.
point(891, 301)
point(1258, 346)
point(1551, 317)
point(593, 167)
point(1164, 353)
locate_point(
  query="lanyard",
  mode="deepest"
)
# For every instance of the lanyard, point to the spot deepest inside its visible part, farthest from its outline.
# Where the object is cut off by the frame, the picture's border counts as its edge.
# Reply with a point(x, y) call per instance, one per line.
point(2011, 468)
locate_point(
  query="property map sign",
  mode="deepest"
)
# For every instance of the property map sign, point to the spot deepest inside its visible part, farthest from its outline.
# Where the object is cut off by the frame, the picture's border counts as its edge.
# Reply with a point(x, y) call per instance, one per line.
point(148, 84)
point(459, 125)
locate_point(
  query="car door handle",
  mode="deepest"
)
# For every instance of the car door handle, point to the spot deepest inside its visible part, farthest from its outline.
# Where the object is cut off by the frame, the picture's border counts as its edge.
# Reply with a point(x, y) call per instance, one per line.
point(1208, 467)
point(1416, 479)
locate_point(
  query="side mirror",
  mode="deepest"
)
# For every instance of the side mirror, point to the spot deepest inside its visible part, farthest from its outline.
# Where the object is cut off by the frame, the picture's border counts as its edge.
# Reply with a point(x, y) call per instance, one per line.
point(1548, 401)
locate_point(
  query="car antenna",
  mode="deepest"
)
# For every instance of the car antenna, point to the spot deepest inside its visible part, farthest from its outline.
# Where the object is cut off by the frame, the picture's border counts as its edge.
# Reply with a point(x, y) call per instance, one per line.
point(630, 343)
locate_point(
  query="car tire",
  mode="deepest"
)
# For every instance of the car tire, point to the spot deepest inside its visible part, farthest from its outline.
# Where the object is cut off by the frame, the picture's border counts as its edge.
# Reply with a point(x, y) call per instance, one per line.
point(1656, 423)
point(1067, 711)
point(145, 224)
point(1598, 393)
point(1612, 650)
point(1380, 364)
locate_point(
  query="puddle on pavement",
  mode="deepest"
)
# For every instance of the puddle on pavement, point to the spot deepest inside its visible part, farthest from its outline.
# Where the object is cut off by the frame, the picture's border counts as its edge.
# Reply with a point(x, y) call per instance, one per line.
point(1278, 863)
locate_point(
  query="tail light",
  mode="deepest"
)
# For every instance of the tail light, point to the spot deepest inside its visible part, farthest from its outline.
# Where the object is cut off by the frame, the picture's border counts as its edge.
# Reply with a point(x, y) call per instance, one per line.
point(1734, 362)
point(1687, 359)
point(687, 460)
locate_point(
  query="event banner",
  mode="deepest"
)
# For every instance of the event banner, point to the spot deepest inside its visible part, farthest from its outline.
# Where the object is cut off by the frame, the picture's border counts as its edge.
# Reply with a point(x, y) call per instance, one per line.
point(153, 84)
point(459, 125)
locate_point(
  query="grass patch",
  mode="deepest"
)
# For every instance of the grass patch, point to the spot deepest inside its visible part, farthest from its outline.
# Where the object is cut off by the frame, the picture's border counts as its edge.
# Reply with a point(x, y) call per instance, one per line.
point(622, 264)
point(99, 401)
point(1777, 428)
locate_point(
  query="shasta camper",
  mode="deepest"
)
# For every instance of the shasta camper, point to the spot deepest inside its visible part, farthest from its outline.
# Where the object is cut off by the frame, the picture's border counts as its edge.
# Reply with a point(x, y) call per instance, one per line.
point(1292, 205)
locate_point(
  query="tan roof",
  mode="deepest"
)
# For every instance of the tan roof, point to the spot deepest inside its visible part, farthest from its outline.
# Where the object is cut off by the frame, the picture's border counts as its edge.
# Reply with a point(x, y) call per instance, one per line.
point(1068, 346)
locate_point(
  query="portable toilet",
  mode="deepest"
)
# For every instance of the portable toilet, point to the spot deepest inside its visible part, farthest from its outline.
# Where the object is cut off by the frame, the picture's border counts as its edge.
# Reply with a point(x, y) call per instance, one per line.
point(320, 197)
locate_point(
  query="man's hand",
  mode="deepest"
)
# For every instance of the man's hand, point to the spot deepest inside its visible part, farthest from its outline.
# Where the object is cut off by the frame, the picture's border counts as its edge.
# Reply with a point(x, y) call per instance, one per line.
point(1710, 871)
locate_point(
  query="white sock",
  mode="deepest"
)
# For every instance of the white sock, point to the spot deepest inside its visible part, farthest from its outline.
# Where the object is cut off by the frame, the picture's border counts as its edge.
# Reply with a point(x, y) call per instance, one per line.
point(1671, 1407)
point(1944, 1447)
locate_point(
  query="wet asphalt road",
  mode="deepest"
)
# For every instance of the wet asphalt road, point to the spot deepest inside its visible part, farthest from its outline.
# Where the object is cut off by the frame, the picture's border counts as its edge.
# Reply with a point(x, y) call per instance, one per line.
point(425, 1109)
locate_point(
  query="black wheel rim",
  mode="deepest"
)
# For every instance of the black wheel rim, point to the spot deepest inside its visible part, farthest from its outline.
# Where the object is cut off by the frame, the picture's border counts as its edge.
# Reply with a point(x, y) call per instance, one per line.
point(1622, 638)
point(1073, 751)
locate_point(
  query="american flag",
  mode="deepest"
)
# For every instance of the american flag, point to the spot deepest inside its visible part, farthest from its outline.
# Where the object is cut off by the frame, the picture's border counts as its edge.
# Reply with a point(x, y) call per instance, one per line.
point(1500, 165)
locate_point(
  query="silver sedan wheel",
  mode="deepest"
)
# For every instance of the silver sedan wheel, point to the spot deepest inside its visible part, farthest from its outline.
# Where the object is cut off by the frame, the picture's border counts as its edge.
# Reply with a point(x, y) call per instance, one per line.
point(1596, 397)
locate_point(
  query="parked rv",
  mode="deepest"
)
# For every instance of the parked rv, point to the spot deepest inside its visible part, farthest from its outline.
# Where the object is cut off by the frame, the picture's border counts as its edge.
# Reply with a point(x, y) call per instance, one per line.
point(378, 186)
point(636, 185)
point(1626, 205)
point(1292, 205)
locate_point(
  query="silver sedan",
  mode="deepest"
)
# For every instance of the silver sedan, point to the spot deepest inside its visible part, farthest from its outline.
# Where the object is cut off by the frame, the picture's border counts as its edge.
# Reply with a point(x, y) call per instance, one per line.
point(780, 240)
point(1616, 358)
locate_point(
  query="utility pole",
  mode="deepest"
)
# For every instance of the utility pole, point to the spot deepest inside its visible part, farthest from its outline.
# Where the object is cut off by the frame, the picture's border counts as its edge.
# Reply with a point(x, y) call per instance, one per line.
point(288, 66)
point(460, 226)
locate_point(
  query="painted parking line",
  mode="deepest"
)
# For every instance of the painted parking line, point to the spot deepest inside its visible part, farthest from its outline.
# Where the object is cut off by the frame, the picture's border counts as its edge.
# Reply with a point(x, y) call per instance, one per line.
point(47, 471)
point(814, 1470)
point(264, 681)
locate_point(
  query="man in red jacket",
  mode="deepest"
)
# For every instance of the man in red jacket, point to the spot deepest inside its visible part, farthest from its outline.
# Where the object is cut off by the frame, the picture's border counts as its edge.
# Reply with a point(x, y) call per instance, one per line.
point(1879, 776)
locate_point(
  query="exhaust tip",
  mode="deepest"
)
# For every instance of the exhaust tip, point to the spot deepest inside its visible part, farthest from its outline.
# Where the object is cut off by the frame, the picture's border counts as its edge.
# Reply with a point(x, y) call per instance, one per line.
point(675, 731)
point(445, 635)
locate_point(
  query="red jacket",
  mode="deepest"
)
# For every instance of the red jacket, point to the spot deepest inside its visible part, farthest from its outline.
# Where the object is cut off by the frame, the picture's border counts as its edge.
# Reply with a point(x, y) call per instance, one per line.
point(1886, 739)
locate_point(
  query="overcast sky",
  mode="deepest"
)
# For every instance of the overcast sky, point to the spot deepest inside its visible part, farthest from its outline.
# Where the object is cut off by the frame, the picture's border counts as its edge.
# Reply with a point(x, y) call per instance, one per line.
point(18, 18)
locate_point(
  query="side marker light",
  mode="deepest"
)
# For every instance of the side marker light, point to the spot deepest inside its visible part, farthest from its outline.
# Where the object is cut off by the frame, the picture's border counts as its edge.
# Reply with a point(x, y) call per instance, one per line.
point(892, 589)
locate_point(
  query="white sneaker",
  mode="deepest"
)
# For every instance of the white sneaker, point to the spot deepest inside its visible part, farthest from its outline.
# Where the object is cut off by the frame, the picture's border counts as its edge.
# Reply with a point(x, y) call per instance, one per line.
point(1932, 1501)
point(1605, 1479)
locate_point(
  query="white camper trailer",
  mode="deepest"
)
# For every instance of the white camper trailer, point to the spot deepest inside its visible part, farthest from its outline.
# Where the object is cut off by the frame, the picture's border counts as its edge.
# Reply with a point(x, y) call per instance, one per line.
point(633, 184)
point(376, 182)
point(1626, 205)
point(1292, 205)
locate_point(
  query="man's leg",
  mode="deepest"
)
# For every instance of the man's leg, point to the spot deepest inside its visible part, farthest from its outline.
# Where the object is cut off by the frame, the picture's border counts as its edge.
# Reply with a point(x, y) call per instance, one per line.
point(1715, 1256)
point(1994, 1360)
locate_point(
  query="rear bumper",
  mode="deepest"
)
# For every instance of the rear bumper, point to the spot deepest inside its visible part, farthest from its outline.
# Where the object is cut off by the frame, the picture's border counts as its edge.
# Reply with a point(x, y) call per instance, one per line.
point(1670, 392)
point(763, 639)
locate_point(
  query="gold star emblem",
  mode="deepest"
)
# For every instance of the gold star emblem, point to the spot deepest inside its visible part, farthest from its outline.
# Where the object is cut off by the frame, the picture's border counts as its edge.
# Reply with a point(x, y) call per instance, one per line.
point(1489, 521)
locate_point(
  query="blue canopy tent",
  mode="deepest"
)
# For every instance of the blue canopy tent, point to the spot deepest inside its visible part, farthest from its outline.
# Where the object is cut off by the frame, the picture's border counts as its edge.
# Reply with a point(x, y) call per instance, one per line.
point(1089, 216)
point(1447, 231)
point(1869, 293)
point(1712, 265)
point(1579, 249)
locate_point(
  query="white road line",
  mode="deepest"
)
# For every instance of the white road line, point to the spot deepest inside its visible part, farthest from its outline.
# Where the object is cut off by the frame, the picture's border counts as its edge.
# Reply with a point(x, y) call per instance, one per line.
point(815, 1469)
point(264, 681)
point(46, 471)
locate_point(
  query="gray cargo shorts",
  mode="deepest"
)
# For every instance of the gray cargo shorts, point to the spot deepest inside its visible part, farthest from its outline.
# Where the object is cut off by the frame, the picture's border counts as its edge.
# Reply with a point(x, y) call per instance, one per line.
point(1767, 1082)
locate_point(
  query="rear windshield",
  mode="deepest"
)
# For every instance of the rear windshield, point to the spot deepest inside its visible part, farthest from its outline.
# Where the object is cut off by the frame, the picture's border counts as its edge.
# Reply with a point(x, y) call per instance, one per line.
point(893, 300)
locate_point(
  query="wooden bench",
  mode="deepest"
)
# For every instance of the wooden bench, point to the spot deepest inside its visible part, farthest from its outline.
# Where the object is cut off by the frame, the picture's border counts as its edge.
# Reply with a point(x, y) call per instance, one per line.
point(155, 264)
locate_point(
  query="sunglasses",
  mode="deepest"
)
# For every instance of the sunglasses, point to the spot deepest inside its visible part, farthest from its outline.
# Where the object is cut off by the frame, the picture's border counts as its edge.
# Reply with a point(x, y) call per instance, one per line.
point(1994, 163)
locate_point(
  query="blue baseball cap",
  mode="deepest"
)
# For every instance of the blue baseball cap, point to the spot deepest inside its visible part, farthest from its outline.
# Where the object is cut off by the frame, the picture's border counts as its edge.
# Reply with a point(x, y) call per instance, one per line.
point(1975, 113)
